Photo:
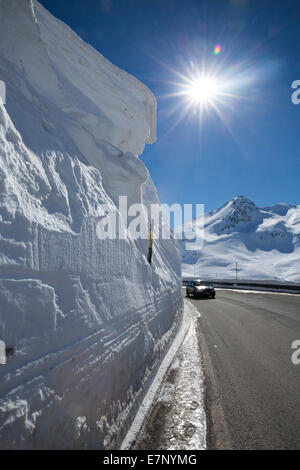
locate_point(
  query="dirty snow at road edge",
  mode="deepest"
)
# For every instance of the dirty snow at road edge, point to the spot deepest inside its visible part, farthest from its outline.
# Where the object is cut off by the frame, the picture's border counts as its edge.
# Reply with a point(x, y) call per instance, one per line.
point(176, 420)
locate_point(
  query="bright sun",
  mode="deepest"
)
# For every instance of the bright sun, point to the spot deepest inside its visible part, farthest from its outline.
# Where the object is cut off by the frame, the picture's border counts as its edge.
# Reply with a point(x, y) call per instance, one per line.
point(202, 90)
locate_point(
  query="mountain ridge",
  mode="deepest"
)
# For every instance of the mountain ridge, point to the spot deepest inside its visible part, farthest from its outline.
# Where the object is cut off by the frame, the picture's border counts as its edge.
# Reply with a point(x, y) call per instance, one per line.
point(265, 241)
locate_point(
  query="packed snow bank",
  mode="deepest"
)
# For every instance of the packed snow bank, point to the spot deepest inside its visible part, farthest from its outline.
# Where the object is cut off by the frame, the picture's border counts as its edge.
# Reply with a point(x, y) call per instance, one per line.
point(86, 321)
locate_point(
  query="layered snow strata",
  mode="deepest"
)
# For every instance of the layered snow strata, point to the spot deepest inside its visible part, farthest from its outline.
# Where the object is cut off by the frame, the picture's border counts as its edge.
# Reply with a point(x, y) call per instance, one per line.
point(86, 321)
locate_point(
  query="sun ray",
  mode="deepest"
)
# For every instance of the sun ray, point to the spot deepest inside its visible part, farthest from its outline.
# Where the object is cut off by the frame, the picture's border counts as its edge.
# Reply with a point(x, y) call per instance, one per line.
point(204, 86)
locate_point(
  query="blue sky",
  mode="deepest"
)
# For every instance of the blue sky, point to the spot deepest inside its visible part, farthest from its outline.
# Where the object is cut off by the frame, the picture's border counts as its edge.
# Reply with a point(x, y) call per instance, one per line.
point(254, 148)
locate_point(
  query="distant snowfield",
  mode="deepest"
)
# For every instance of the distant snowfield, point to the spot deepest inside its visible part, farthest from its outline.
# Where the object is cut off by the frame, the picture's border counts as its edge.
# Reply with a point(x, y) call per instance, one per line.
point(265, 242)
point(87, 321)
point(253, 291)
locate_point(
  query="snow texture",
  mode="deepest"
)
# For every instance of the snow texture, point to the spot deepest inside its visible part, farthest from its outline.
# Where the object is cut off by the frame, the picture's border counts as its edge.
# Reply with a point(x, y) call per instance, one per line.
point(177, 420)
point(264, 241)
point(86, 321)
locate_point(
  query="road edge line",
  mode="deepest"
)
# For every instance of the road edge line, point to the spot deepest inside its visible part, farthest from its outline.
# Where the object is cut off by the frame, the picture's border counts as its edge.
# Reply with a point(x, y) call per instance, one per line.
point(216, 426)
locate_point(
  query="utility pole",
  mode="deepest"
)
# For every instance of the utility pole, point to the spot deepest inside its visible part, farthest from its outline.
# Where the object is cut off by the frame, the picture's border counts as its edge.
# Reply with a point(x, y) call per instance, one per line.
point(150, 241)
point(236, 271)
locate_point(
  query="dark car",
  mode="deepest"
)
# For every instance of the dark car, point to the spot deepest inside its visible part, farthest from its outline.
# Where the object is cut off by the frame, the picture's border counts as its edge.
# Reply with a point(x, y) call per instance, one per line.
point(200, 289)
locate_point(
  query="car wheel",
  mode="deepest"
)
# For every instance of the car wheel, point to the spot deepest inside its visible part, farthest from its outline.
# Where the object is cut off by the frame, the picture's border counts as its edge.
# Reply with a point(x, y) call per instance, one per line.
point(187, 294)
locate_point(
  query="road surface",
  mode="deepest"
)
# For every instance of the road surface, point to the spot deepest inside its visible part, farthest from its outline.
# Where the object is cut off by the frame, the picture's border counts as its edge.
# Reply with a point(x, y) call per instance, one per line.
point(253, 388)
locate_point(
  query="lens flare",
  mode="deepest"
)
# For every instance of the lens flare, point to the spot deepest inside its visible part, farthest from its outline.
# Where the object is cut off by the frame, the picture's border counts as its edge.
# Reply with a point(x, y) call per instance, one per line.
point(217, 50)
point(204, 88)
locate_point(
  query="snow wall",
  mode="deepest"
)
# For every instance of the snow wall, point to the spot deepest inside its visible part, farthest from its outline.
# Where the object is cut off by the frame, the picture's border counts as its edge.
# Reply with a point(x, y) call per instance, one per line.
point(86, 322)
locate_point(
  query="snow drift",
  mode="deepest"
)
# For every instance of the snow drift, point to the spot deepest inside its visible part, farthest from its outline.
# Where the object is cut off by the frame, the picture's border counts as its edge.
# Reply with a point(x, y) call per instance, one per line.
point(264, 241)
point(86, 321)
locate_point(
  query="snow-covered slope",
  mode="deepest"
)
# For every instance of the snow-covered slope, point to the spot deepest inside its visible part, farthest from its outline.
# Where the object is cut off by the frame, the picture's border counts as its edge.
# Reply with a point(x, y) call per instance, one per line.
point(265, 242)
point(86, 321)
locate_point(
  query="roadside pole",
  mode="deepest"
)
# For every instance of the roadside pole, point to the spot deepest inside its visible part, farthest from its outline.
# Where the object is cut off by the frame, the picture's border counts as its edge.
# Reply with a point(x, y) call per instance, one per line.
point(150, 241)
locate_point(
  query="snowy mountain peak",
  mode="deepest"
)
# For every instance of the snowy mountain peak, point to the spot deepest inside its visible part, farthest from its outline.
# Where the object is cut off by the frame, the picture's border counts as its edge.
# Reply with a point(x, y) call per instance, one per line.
point(265, 242)
point(242, 202)
point(279, 209)
point(242, 199)
point(237, 213)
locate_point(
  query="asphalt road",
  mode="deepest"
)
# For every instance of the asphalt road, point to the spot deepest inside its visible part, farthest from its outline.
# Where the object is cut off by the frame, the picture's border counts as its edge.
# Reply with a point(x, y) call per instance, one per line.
point(252, 386)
